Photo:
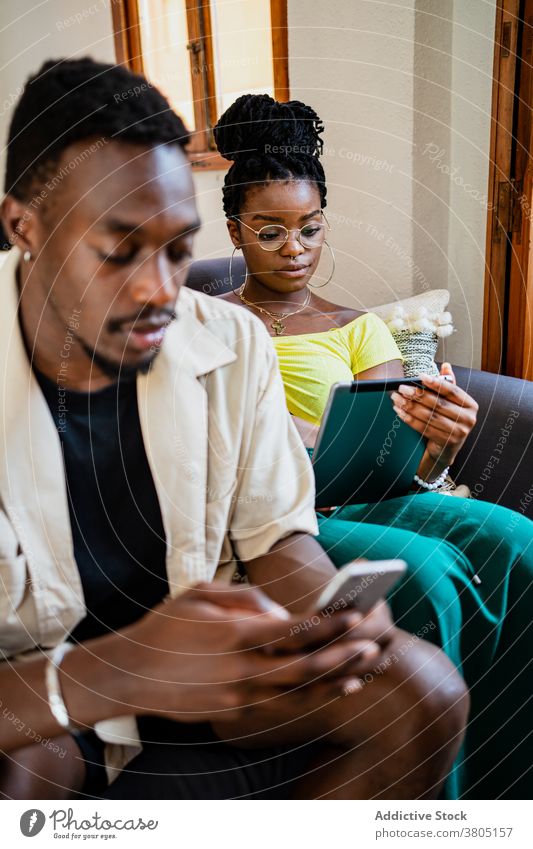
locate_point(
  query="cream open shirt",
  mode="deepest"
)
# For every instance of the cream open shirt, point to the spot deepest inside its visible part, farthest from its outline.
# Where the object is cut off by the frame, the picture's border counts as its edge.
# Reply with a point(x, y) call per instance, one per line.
point(228, 465)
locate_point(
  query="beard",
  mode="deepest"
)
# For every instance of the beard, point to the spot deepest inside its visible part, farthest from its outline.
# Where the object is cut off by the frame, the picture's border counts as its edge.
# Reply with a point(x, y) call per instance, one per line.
point(120, 371)
point(114, 370)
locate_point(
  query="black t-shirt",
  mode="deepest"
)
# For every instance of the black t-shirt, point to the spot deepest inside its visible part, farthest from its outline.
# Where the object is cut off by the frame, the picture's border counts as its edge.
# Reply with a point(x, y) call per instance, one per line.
point(117, 528)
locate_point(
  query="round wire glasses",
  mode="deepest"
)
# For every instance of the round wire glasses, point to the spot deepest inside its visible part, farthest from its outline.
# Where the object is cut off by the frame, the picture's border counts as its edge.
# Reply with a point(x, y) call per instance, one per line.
point(272, 237)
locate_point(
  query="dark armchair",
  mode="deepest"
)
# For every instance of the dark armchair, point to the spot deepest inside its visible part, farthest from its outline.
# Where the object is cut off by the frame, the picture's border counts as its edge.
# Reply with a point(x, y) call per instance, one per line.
point(497, 459)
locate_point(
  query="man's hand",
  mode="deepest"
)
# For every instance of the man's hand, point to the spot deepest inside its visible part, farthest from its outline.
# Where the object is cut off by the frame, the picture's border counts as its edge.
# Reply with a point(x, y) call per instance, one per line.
point(445, 415)
point(213, 652)
point(280, 716)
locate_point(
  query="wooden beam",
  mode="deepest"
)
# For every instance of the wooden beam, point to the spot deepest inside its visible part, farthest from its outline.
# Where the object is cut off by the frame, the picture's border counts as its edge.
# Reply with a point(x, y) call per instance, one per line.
point(280, 48)
point(501, 137)
point(127, 30)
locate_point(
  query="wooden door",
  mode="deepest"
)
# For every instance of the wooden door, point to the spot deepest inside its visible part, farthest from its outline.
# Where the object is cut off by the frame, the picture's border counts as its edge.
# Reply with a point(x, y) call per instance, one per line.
point(507, 338)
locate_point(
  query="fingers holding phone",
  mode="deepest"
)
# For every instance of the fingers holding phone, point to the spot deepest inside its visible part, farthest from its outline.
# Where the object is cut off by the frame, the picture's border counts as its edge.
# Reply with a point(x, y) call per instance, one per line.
point(362, 586)
point(353, 600)
point(355, 597)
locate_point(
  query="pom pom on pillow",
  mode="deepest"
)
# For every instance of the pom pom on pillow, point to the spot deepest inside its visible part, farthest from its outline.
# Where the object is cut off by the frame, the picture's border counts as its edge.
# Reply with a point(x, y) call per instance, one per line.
point(417, 324)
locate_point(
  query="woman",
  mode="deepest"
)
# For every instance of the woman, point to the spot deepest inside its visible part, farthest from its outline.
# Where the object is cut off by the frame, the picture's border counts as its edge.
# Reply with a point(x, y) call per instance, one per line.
point(470, 583)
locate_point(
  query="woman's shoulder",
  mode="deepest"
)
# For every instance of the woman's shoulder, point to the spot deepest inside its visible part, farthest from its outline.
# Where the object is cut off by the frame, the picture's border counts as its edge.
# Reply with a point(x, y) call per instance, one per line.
point(345, 316)
point(366, 322)
point(342, 315)
point(353, 320)
point(350, 315)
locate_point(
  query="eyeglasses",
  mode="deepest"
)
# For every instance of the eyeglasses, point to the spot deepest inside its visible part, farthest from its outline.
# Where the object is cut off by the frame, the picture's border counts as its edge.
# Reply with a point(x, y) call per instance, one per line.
point(272, 237)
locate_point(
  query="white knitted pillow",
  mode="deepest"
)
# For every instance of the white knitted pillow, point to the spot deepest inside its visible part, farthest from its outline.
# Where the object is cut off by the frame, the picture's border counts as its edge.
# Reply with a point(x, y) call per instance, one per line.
point(417, 323)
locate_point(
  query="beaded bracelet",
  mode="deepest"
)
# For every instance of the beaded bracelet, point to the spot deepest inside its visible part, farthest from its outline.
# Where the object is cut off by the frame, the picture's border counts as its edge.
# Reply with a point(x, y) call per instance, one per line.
point(436, 484)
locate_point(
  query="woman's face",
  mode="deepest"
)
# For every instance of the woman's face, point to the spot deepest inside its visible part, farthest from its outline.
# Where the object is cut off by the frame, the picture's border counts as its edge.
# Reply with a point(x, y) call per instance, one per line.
point(295, 204)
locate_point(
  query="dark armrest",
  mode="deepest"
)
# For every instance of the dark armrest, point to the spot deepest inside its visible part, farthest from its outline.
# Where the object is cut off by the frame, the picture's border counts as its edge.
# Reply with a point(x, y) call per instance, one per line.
point(497, 459)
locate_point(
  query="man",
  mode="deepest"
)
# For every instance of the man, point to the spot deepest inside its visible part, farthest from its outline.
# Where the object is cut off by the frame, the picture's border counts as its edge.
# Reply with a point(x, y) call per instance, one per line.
point(145, 448)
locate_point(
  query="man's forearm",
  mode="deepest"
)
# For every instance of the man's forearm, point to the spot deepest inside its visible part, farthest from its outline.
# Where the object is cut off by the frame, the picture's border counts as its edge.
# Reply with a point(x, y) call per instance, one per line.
point(94, 686)
point(294, 572)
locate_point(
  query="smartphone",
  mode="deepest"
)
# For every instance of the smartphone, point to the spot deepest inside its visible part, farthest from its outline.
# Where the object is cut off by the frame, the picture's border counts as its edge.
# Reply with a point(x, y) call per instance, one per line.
point(360, 585)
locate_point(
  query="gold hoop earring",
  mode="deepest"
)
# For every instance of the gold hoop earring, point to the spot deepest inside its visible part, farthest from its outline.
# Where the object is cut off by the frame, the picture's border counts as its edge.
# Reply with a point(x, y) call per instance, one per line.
point(321, 285)
point(230, 276)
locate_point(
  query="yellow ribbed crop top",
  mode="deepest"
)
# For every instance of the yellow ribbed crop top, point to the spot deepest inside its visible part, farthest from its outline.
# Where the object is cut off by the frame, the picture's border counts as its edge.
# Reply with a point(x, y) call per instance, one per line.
point(311, 363)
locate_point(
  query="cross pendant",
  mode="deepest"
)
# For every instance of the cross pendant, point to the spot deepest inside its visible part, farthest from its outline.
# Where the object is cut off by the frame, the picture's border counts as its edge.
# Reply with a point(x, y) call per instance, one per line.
point(278, 327)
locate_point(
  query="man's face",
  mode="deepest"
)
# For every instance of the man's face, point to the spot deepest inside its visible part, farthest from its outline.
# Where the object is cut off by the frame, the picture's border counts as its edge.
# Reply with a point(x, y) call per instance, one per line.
point(115, 241)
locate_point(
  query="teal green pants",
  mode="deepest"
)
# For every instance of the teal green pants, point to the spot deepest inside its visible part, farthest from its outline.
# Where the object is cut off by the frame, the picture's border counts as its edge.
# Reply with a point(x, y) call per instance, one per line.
point(468, 589)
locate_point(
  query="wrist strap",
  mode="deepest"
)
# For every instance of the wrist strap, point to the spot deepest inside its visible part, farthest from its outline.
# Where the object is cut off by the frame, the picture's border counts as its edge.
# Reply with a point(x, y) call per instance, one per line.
point(53, 687)
point(436, 484)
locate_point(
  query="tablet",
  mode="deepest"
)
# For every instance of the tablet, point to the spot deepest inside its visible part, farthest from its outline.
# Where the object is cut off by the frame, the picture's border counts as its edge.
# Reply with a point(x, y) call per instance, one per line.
point(364, 452)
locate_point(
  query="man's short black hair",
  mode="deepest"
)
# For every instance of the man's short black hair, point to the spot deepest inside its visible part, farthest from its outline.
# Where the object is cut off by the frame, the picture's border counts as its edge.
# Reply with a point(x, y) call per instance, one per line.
point(69, 100)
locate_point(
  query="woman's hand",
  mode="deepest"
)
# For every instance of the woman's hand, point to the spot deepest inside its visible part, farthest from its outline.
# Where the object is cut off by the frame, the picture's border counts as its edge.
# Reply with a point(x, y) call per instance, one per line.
point(445, 415)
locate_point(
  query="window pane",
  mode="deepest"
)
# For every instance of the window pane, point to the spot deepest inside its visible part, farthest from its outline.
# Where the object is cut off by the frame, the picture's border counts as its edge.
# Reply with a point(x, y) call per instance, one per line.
point(242, 47)
point(165, 55)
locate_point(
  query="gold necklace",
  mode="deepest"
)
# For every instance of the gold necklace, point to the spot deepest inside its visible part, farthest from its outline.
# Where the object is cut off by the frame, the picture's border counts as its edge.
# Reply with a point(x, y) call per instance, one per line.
point(278, 318)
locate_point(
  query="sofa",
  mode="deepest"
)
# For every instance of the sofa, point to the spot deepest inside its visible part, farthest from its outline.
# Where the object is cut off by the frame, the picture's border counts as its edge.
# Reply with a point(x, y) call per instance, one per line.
point(496, 461)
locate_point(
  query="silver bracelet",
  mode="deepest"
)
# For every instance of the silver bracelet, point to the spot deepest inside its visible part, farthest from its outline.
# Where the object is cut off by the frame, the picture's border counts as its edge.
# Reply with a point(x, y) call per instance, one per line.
point(436, 484)
point(53, 686)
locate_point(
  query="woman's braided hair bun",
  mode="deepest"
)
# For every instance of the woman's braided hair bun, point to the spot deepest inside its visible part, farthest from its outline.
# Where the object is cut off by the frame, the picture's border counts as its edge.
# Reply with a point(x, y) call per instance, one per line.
point(257, 124)
point(267, 140)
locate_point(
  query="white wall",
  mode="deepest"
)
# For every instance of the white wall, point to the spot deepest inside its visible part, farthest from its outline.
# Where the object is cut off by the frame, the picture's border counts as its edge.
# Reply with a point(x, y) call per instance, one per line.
point(452, 102)
point(355, 68)
point(213, 239)
point(31, 33)
point(408, 84)
point(471, 101)
point(431, 132)
point(404, 90)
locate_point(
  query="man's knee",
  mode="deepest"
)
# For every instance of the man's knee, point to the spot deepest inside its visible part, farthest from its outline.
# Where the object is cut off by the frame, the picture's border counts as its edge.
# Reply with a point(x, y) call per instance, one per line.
point(437, 699)
point(414, 695)
point(16, 780)
point(37, 772)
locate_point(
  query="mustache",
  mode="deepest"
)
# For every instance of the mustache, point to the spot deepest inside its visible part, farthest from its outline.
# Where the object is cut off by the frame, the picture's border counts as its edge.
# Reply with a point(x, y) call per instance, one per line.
point(157, 316)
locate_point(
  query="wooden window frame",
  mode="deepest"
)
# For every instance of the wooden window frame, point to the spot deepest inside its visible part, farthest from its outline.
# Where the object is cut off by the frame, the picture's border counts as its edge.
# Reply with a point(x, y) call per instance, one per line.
point(128, 48)
point(508, 308)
